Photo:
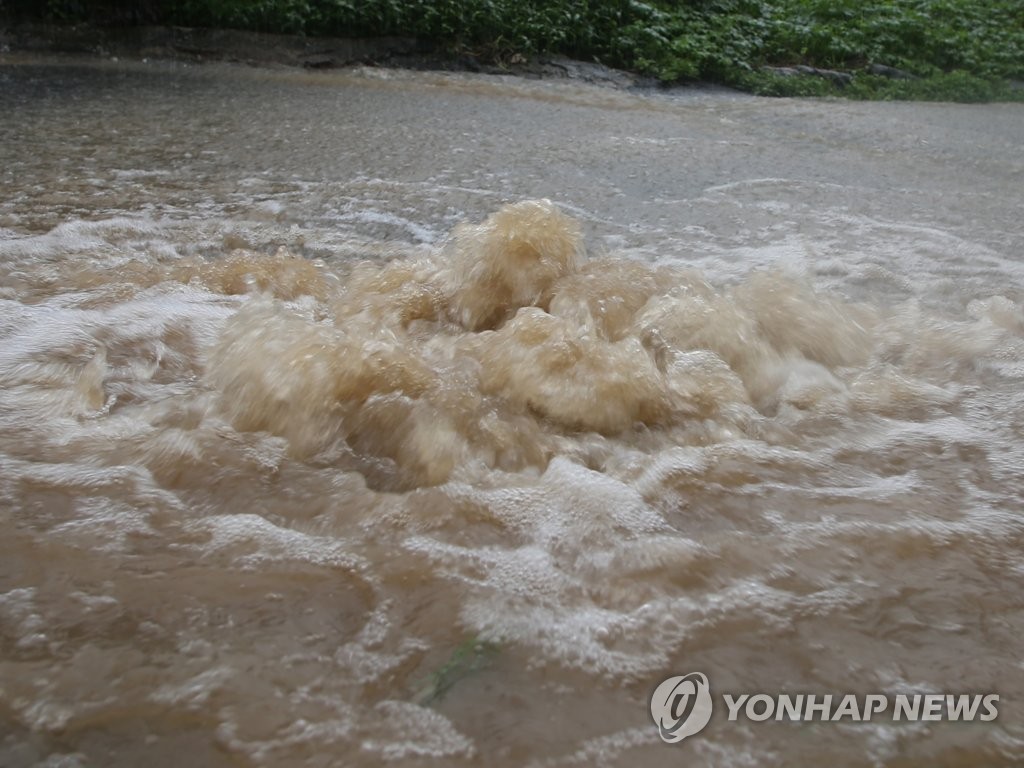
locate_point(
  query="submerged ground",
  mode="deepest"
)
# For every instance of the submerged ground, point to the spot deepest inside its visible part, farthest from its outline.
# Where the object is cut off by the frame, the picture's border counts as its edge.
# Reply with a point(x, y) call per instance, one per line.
point(378, 415)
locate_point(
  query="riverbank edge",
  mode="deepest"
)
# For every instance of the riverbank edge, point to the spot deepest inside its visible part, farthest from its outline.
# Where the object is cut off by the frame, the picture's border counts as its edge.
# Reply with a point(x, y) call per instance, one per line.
point(199, 45)
point(202, 44)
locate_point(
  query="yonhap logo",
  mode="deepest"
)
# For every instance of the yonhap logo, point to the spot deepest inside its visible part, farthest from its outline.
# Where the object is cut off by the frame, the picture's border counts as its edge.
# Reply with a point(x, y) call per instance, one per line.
point(681, 706)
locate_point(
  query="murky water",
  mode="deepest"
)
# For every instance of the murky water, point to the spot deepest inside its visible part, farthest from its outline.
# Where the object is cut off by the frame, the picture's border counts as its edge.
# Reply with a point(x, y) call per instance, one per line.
point(327, 440)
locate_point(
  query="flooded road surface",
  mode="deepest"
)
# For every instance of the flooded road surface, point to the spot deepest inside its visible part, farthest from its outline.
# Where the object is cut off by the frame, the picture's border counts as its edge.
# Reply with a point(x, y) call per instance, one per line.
point(376, 416)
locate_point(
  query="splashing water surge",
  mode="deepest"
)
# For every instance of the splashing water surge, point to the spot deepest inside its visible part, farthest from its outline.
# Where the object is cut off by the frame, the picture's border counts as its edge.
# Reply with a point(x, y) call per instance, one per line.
point(466, 502)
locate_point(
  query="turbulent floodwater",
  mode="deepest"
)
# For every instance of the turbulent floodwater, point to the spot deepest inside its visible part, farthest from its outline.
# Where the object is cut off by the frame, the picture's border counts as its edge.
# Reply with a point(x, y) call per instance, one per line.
point(385, 416)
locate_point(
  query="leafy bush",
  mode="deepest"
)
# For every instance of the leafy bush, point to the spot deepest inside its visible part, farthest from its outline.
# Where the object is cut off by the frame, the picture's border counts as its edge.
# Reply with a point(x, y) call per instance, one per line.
point(984, 37)
point(956, 46)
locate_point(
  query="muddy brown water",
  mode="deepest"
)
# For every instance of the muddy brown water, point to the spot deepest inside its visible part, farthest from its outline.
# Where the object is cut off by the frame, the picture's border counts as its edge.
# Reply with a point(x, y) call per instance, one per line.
point(377, 416)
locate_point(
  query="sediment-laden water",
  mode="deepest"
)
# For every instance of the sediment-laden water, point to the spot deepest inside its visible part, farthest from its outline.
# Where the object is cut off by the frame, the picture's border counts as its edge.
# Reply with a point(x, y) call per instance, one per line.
point(376, 416)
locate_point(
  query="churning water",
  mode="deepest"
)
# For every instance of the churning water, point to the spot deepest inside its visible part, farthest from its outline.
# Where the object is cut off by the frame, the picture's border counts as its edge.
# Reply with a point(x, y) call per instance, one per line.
point(381, 416)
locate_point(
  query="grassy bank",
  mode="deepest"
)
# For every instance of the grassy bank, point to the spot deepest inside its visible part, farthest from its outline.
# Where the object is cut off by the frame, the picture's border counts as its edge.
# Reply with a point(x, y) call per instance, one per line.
point(966, 50)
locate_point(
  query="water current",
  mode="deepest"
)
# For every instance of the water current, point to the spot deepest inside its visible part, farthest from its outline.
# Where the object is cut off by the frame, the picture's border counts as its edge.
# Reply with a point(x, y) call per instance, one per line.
point(366, 416)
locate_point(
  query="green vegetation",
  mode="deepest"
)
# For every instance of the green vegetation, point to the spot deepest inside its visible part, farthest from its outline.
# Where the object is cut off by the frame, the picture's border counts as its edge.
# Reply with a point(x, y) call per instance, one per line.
point(955, 49)
point(470, 657)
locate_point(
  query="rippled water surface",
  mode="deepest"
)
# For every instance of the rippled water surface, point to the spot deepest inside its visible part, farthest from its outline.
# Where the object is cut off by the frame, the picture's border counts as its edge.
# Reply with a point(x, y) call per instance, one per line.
point(436, 419)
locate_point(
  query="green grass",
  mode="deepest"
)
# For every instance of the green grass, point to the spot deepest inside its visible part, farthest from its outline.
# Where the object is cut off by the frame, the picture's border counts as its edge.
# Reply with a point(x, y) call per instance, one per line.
point(954, 86)
point(469, 658)
point(964, 50)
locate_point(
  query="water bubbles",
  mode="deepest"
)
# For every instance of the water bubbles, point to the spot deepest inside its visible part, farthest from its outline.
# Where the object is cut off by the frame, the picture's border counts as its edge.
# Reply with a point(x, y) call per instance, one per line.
point(331, 473)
